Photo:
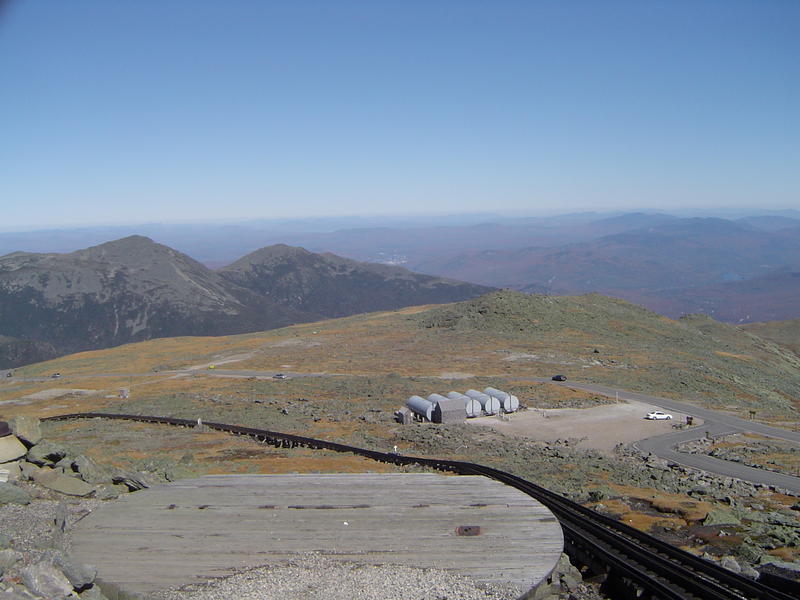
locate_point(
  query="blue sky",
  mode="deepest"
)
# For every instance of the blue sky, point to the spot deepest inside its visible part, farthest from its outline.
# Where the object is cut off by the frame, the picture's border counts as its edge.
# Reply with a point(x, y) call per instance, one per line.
point(119, 112)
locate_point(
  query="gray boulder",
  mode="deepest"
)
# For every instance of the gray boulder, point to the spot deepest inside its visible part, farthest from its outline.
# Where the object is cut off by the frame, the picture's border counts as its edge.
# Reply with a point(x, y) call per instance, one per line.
point(92, 593)
point(80, 576)
point(46, 453)
point(27, 429)
point(13, 469)
point(46, 579)
point(11, 448)
point(28, 470)
point(110, 492)
point(90, 471)
point(749, 571)
point(11, 494)
point(730, 563)
point(64, 484)
point(65, 465)
point(133, 481)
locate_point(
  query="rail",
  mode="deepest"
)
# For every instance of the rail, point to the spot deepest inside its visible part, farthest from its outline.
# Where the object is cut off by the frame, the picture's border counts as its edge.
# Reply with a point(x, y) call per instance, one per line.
point(636, 565)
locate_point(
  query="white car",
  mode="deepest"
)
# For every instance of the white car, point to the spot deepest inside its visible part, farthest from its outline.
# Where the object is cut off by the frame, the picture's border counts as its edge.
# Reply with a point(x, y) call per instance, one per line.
point(657, 415)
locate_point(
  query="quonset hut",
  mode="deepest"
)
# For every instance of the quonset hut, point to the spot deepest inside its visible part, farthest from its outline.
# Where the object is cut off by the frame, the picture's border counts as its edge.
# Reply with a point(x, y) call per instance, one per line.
point(421, 407)
point(508, 402)
point(471, 406)
point(491, 406)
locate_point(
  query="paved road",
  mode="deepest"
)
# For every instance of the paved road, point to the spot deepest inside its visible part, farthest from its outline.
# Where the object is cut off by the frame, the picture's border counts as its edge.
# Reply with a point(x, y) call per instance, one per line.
point(716, 423)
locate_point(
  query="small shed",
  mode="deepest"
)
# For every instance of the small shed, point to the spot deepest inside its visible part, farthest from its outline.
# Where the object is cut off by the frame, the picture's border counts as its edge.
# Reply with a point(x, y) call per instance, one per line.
point(449, 410)
point(404, 416)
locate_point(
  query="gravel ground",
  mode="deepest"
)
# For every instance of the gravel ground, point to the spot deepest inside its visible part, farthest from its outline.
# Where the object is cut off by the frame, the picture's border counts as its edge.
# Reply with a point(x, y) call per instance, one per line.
point(599, 427)
point(315, 577)
point(30, 528)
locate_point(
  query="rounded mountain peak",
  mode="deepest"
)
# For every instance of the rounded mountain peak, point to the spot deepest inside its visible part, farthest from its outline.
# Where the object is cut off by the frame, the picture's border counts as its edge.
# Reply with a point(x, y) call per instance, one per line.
point(270, 255)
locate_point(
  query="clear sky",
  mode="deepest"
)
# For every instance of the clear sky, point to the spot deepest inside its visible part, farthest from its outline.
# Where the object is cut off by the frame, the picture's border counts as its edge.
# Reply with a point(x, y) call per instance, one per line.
point(168, 110)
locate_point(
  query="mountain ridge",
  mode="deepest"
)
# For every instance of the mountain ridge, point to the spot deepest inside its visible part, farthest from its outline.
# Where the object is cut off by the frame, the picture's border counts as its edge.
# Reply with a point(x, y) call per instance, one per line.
point(134, 289)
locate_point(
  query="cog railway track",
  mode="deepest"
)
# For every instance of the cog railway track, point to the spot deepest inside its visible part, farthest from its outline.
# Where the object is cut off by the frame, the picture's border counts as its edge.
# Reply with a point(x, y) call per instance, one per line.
point(635, 564)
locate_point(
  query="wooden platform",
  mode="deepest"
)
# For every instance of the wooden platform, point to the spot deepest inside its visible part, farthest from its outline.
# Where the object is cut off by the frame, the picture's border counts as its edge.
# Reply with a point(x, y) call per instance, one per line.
point(188, 531)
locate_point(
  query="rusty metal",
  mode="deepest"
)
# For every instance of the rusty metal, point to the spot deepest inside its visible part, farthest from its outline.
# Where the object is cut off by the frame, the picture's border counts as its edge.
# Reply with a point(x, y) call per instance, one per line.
point(468, 530)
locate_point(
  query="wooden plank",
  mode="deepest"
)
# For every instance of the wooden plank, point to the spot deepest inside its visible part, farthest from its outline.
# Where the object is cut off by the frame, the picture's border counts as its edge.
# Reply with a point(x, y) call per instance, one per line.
point(190, 530)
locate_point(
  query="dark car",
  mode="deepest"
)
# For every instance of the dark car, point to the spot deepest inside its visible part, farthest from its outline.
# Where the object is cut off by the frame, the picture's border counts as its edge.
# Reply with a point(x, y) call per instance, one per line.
point(559, 378)
point(280, 376)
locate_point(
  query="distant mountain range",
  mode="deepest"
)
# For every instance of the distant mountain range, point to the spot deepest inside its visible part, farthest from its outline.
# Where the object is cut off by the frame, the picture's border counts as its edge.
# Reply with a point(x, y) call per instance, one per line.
point(773, 297)
point(134, 289)
point(672, 254)
point(736, 268)
point(734, 271)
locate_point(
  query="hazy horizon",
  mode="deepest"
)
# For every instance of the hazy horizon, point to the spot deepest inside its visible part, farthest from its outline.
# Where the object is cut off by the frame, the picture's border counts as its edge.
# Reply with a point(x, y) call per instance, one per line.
point(408, 220)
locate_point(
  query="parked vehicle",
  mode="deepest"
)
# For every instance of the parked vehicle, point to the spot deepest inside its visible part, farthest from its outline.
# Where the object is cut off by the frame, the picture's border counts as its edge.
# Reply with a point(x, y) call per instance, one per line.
point(280, 376)
point(657, 415)
point(559, 378)
point(55, 375)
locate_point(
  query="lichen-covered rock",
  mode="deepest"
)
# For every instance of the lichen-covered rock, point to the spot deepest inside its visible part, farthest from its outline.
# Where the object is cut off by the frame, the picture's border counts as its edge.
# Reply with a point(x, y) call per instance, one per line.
point(46, 453)
point(11, 448)
point(777, 518)
point(11, 494)
point(721, 517)
point(750, 553)
point(46, 579)
point(27, 429)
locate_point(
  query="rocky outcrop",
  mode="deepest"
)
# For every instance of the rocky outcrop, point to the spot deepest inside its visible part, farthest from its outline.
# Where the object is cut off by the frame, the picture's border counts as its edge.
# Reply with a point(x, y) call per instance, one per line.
point(51, 575)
